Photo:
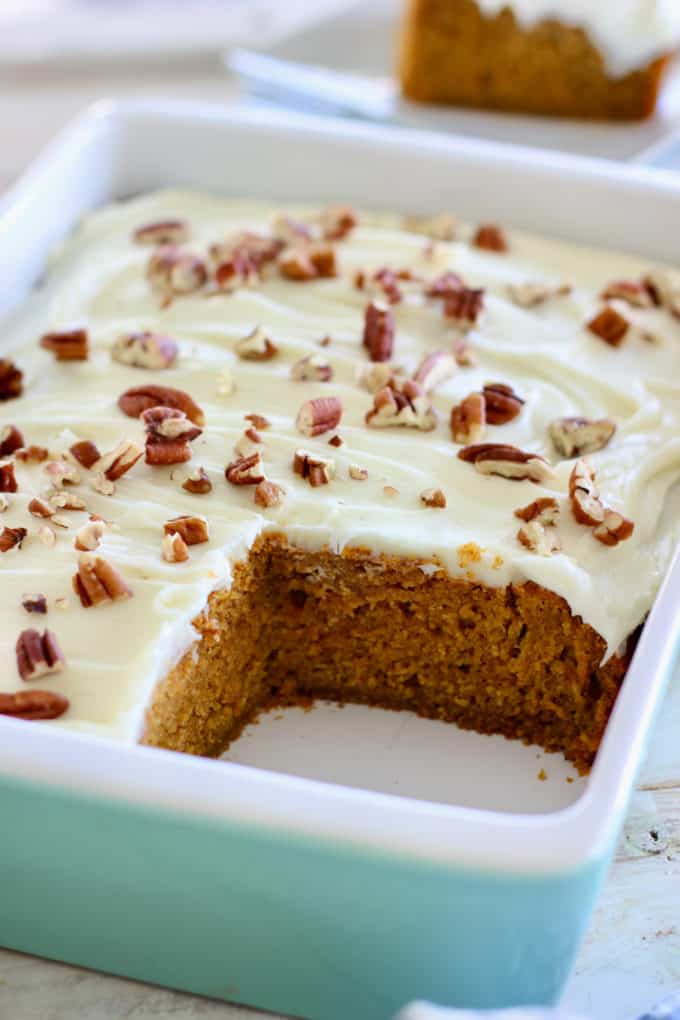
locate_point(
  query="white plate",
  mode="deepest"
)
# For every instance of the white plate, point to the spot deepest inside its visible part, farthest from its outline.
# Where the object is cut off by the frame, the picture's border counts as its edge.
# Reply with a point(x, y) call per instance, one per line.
point(363, 40)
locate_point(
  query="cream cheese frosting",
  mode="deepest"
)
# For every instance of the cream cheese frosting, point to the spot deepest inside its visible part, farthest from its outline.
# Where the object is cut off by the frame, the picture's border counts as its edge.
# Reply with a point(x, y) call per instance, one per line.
point(115, 653)
point(628, 33)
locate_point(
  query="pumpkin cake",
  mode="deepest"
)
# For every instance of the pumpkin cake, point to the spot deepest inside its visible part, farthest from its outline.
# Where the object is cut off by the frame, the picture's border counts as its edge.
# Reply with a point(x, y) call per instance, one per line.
point(570, 59)
point(251, 456)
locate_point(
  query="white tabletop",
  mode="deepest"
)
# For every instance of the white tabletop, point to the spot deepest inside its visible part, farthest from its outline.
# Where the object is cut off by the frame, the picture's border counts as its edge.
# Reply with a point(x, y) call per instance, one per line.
point(631, 956)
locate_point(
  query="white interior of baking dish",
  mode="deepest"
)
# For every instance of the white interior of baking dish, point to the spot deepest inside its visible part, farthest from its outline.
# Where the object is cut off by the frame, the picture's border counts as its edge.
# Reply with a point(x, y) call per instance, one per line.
point(441, 776)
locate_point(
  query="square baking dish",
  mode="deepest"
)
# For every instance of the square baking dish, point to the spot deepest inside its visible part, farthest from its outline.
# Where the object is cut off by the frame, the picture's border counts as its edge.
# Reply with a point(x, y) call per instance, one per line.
point(318, 899)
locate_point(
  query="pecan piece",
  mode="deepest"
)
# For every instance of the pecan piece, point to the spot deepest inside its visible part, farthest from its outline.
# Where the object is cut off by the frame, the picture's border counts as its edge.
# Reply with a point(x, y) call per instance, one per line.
point(268, 494)
point(633, 292)
point(245, 470)
point(614, 528)
point(69, 345)
point(538, 533)
point(377, 376)
point(434, 369)
point(38, 654)
point(145, 350)
point(530, 294)
point(197, 483)
point(357, 473)
point(39, 508)
point(97, 581)
point(408, 406)
point(576, 437)
point(288, 230)
point(387, 282)
point(464, 306)
point(490, 237)
point(11, 538)
point(318, 416)
point(258, 421)
point(34, 603)
point(317, 470)
point(609, 325)
point(501, 403)
point(468, 419)
point(11, 380)
point(168, 434)
point(296, 264)
point(85, 452)
point(141, 398)
point(11, 440)
point(8, 482)
point(172, 273)
point(32, 454)
point(336, 441)
point(507, 462)
point(445, 285)
point(89, 537)
point(664, 291)
point(256, 346)
point(378, 335)
point(66, 501)
point(337, 221)
point(433, 498)
point(584, 495)
point(61, 473)
point(163, 232)
point(239, 270)
point(33, 705)
point(118, 462)
point(193, 530)
point(247, 248)
point(174, 548)
point(313, 368)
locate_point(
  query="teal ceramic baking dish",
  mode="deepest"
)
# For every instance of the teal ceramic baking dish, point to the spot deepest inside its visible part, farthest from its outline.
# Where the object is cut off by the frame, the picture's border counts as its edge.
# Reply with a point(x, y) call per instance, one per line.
point(317, 899)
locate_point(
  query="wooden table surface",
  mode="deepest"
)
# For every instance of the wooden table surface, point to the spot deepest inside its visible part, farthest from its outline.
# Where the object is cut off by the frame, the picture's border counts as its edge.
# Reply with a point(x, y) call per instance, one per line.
point(631, 955)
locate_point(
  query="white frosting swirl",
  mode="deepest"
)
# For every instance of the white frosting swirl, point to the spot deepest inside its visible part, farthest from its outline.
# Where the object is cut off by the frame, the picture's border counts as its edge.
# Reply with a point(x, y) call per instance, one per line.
point(628, 33)
point(117, 652)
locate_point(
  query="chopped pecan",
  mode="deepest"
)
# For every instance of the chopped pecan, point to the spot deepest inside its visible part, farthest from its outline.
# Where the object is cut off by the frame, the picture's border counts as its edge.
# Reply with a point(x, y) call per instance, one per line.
point(11, 380)
point(336, 441)
point(39, 508)
point(609, 325)
point(438, 228)
point(11, 538)
point(664, 291)
point(239, 270)
point(38, 654)
point(8, 482)
point(319, 415)
point(508, 462)
point(247, 443)
point(337, 221)
point(530, 294)
point(145, 350)
point(61, 473)
point(378, 336)
point(197, 483)
point(296, 264)
point(288, 230)
point(434, 369)
point(388, 283)
point(33, 705)
point(168, 434)
point(376, 376)
point(390, 491)
point(433, 498)
point(490, 237)
point(357, 473)
point(317, 470)
point(85, 452)
point(444, 286)
point(245, 470)
point(258, 421)
point(464, 306)
point(174, 548)
point(247, 247)
point(468, 419)
point(97, 581)
point(141, 398)
point(268, 494)
point(66, 501)
point(11, 440)
point(256, 346)
point(584, 496)
point(69, 345)
point(34, 603)
point(538, 533)
point(575, 437)
point(322, 257)
point(633, 292)
point(103, 485)
point(313, 368)
point(118, 462)
point(501, 402)
point(164, 232)
point(89, 537)
point(173, 273)
point(32, 454)
point(193, 530)
point(614, 528)
point(47, 536)
point(408, 406)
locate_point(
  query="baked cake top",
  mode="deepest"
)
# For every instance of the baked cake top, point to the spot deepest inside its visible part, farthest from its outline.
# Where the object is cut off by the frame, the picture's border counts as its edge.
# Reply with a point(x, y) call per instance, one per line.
point(628, 33)
point(503, 407)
